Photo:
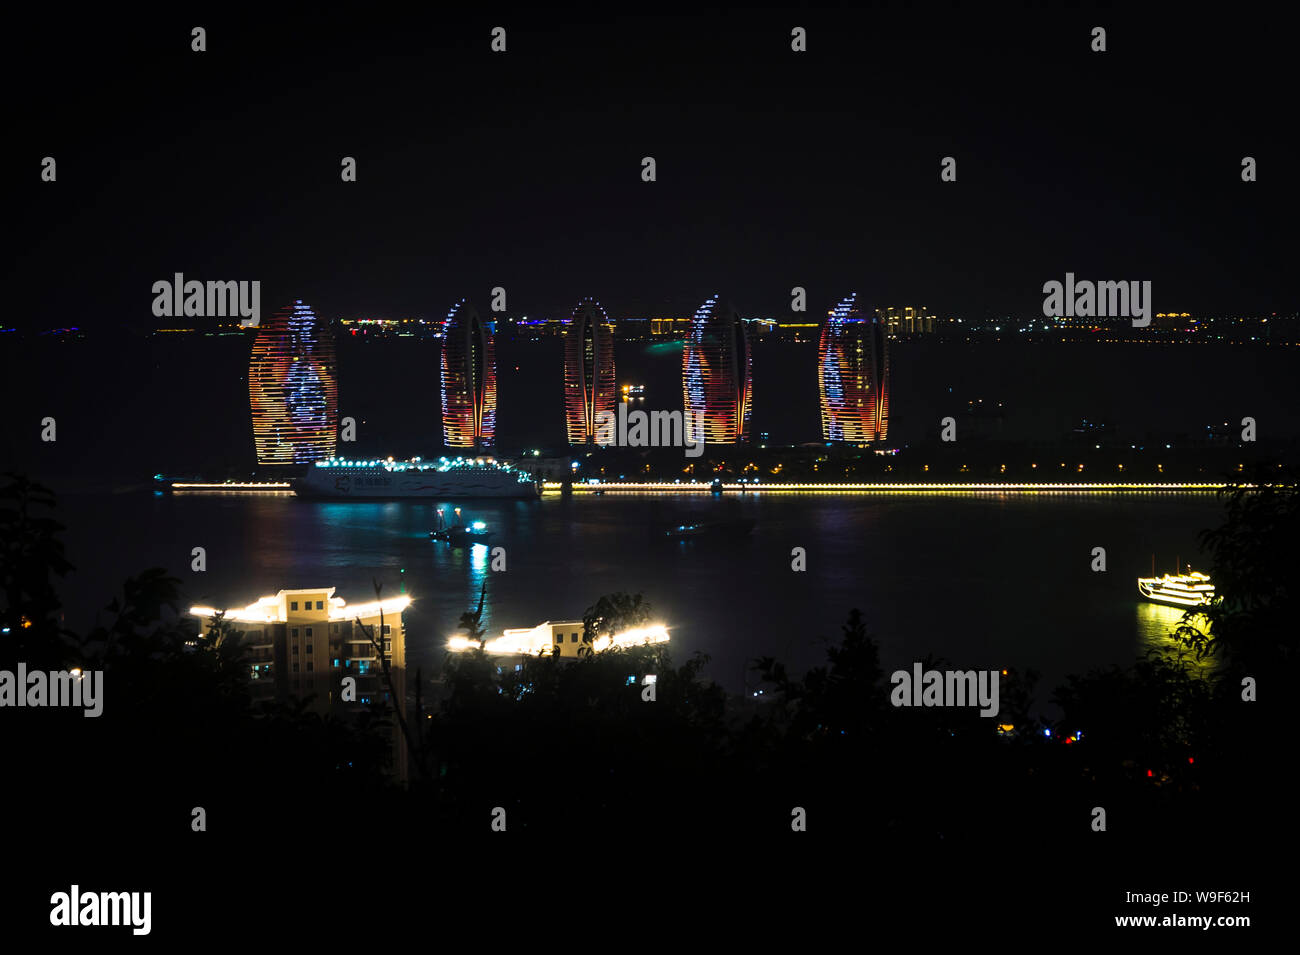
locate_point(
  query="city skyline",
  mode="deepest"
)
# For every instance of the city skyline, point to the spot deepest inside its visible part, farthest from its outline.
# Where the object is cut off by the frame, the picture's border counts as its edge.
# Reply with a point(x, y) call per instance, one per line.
point(765, 433)
point(428, 321)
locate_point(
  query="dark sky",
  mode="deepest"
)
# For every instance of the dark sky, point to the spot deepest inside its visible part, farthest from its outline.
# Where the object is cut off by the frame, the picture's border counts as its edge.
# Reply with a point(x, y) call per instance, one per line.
point(522, 169)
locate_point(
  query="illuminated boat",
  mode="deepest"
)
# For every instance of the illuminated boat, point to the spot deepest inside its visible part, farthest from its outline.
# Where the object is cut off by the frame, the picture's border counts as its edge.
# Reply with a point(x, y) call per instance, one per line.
point(462, 536)
point(389, 479)
point(1178, 590)
point(458, 534)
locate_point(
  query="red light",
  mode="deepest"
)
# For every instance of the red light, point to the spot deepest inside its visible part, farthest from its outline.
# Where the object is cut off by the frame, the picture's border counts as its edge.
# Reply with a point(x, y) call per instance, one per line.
point(1149, 773)
point(1190, 760)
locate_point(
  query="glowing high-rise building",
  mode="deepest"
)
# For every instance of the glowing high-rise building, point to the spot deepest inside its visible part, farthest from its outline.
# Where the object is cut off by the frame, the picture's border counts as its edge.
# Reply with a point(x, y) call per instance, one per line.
point(853, 375)
point(469, 380)
point(293, 388)
point(717, 373)
point(589, 385)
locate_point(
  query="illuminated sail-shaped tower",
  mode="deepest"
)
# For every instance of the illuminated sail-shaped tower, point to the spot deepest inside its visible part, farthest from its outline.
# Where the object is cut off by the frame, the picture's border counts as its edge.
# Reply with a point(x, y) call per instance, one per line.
point(717, 373)
point(293, 388)
point(469, 380)
point(589, 385)
point(853, 375)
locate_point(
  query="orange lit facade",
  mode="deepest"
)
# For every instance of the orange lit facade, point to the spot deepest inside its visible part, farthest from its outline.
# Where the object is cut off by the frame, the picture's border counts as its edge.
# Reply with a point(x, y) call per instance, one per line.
point(853, 375)
point(469, 380)
point(718, 373)
point(293, 388)
point(589, 384)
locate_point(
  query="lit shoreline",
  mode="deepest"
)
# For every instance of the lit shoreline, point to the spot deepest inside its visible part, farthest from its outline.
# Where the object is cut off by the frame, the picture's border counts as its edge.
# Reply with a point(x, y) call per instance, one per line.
point(698, 487)
point(664, 487)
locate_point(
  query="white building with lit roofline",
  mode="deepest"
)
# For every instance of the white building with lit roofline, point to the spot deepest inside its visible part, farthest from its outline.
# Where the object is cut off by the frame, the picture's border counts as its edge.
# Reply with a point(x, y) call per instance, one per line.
point(562, 635)
point(302, 643)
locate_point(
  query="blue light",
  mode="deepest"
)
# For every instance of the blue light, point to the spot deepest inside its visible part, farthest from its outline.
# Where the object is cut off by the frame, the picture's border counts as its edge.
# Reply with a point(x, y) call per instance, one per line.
point(1047, 731)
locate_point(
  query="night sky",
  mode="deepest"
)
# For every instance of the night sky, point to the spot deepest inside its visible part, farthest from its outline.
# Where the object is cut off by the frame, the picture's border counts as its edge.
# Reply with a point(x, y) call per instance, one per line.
point(523, 169)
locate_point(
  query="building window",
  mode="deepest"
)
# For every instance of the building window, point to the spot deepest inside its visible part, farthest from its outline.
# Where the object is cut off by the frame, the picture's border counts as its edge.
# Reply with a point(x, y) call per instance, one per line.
point(295, 651)
point(573, 638)
point(309, 648)
point(388, 628)
point(309, 668)
point(320, 605)
point(295, 668)
point(293, 632)
point(309, 631)
point(293, 605)
point(559, 638)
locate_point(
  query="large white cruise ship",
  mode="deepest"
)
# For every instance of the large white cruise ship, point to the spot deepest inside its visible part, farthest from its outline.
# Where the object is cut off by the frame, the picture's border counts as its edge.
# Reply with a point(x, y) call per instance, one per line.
point(1178, 590)
point(444, 478)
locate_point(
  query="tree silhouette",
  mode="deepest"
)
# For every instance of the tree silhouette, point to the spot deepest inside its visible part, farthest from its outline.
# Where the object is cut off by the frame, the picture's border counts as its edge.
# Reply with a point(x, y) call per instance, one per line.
point(409, 740)
point(470, 621)
point(612, 614)
point(1255, 567)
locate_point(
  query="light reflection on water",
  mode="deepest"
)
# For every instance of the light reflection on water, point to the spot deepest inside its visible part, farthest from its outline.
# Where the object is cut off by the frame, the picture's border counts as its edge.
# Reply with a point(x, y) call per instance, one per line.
point(1156, 624)
point(478, 562)
point(979, 581)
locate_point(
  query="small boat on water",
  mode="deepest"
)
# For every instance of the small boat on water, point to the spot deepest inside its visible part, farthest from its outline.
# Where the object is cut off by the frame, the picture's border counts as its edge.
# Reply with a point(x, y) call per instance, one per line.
point(710, 529)
point(458, 534)
point(1178, 590)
